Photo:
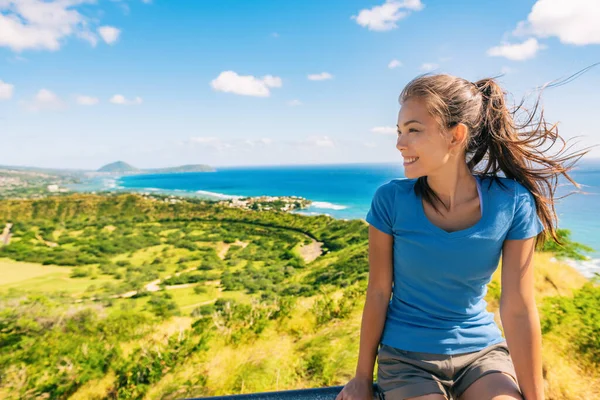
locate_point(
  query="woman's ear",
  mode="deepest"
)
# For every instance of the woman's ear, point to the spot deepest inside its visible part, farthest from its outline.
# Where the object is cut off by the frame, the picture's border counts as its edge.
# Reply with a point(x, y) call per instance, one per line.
point(459, 135)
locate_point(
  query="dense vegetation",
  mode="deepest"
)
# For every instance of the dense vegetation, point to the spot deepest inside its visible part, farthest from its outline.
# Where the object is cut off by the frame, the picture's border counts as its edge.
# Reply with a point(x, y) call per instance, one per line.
point(123, 296)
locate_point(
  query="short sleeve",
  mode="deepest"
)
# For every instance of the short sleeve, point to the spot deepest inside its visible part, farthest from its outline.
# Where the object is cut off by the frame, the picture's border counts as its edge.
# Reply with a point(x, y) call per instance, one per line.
point(526, 223)
point(380, 213)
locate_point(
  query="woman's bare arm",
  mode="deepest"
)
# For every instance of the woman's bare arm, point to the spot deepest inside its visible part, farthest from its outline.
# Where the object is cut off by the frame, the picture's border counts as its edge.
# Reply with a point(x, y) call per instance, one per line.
point(378, 297)
point(520, 318)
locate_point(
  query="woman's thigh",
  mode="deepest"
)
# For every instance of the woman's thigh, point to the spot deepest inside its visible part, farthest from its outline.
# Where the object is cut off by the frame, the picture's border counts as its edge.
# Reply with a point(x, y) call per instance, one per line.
point(403, 375)
point(493, 386)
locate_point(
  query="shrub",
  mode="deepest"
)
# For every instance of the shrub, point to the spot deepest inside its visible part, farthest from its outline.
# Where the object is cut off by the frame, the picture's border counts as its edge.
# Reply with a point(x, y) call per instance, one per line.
point(576, 317)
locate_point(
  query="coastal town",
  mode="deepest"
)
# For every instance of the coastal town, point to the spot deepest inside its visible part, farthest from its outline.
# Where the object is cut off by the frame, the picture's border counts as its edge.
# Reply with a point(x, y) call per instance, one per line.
point(31, 184)
point(260, 203)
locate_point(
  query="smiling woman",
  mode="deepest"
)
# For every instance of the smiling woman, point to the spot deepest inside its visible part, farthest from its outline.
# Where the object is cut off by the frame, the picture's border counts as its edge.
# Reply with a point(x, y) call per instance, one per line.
point(471, 194)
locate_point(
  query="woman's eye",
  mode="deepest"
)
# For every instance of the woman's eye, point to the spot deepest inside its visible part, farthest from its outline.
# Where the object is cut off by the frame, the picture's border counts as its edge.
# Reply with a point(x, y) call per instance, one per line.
point(410, 130)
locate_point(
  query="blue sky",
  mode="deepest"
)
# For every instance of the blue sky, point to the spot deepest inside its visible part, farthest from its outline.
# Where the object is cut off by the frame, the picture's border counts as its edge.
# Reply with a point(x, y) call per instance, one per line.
point(232, 82)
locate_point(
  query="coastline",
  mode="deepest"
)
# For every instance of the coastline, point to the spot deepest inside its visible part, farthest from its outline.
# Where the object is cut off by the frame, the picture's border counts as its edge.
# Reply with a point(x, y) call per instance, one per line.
point(587, 268)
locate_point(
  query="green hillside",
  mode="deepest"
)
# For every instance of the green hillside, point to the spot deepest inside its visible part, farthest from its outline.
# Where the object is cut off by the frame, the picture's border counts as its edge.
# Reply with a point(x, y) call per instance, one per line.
point(142, 297)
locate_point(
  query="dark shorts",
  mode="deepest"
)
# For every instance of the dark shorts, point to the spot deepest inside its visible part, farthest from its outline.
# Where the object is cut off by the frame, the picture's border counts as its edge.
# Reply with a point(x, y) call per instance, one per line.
point(403, 374)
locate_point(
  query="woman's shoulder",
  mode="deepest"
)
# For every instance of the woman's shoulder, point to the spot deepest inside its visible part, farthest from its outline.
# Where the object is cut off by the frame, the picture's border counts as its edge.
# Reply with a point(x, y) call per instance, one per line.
point(398, 186)
point(503, 187)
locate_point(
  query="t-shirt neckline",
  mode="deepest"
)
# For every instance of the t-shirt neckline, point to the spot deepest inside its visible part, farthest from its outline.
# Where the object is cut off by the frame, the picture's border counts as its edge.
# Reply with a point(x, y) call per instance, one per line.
point(463, 232)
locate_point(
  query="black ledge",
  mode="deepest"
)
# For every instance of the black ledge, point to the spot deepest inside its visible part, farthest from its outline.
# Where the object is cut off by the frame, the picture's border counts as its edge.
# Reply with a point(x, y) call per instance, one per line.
point(327, 393)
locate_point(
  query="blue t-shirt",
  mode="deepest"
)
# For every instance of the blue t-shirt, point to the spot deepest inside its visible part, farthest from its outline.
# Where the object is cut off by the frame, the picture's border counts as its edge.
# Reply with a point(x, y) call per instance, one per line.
point(440, 278)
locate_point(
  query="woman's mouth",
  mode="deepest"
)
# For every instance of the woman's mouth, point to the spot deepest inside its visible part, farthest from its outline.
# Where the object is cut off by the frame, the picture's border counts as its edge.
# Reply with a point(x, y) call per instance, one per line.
point(410, 160)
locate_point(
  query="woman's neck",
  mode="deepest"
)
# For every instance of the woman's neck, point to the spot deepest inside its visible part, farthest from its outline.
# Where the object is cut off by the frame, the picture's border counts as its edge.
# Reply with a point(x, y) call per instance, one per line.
point(453, 186)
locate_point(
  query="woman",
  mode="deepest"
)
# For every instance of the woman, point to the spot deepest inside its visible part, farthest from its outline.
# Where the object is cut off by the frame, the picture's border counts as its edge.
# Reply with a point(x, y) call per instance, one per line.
point(436, 237)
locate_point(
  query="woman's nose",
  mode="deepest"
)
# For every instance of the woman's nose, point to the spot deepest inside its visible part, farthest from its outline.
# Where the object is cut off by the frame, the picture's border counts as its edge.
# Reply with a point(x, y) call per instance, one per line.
point(401, 144)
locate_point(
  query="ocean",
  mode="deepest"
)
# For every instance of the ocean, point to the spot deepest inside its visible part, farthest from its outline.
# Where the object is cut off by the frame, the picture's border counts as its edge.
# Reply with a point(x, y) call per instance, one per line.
point(345, 192)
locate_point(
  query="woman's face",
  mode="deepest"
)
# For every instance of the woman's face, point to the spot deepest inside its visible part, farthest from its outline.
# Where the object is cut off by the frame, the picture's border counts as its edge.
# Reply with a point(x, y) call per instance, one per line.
point(424, 147)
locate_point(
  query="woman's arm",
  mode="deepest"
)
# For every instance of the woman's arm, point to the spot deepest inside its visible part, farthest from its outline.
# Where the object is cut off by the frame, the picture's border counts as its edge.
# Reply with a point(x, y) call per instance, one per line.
point(377, 300)
point(520, 318)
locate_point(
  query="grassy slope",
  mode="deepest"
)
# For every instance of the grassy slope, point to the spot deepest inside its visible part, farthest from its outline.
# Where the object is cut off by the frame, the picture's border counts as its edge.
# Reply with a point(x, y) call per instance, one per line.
point(277, 360)
point(296, 353)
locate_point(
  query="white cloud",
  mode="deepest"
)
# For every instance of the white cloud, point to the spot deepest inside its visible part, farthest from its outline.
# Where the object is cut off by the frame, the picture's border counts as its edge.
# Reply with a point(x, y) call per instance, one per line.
point(320, 77)
point(275, 34)
point(147, 1)
point(384, 130)
point(369, 145)
point(210, 142)
point(272, 81)
point(507, 70)
point(427, 67)
point(324, 141)
point(43, 24)
point(394, 64)
point(87, 100)
point(207, 141)
point(258, 142)
point(213, 142)
point(294, 103)
point(44, 100)
point(572, 21)
point(121, 100)
point(6, 90)
point(517, 52)
point(314, 141)
point(245, 85)
point(385, 16)
point(125, 8)
point(109, 34)
point(16, 58)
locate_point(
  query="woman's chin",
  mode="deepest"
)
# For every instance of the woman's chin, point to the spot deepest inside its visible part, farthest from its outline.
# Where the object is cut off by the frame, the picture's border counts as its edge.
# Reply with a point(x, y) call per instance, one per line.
point(409, 174)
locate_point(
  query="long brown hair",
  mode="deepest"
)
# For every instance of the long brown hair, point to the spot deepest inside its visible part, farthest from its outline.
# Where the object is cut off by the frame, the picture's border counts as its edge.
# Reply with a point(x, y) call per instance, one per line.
point(497, 142)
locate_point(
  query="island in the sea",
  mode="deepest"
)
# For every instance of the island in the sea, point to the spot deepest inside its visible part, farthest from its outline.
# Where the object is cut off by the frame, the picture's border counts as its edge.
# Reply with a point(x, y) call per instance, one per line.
point(121, 167)
point(36, 182)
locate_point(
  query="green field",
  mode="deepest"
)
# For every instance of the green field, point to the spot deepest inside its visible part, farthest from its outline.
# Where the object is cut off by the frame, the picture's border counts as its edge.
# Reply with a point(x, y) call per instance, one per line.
point(132, 297)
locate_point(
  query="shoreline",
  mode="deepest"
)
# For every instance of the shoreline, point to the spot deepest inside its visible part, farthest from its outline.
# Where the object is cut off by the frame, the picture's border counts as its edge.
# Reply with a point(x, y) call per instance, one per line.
point(587, 268)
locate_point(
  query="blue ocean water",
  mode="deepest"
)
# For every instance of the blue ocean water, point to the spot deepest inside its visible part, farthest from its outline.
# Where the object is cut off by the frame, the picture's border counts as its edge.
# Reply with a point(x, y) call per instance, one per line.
point(345, 192)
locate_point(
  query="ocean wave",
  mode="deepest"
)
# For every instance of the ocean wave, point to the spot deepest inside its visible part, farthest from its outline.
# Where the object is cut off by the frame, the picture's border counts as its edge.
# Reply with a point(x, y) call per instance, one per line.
point(311, 213)
point(151, 189)
point(218, 195)
point(324, 204)
point(586, 267)
point(109, 183)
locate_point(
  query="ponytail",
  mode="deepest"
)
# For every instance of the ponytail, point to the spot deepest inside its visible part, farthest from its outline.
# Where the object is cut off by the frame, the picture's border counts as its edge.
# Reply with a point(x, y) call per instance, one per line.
point(497, 142)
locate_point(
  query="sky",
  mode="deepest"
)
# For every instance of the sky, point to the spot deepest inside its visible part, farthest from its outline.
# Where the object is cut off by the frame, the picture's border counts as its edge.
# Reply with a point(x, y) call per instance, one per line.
point(159, 83)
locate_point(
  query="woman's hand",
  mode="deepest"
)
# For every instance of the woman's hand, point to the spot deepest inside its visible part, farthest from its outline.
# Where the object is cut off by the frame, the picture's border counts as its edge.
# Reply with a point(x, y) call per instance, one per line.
point(357, 389)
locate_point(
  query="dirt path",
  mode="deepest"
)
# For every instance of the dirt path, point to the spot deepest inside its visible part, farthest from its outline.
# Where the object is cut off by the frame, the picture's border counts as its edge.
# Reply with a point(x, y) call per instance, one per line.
point(226, 247)
point(154, 286)
point(310, 252)
point(198, 304)
point(5, 238)
point(46, 242)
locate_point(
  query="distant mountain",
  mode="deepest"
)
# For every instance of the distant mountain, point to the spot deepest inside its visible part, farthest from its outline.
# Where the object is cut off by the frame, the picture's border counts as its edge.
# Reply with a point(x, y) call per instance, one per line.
point(182, 168)
point(119, 167)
